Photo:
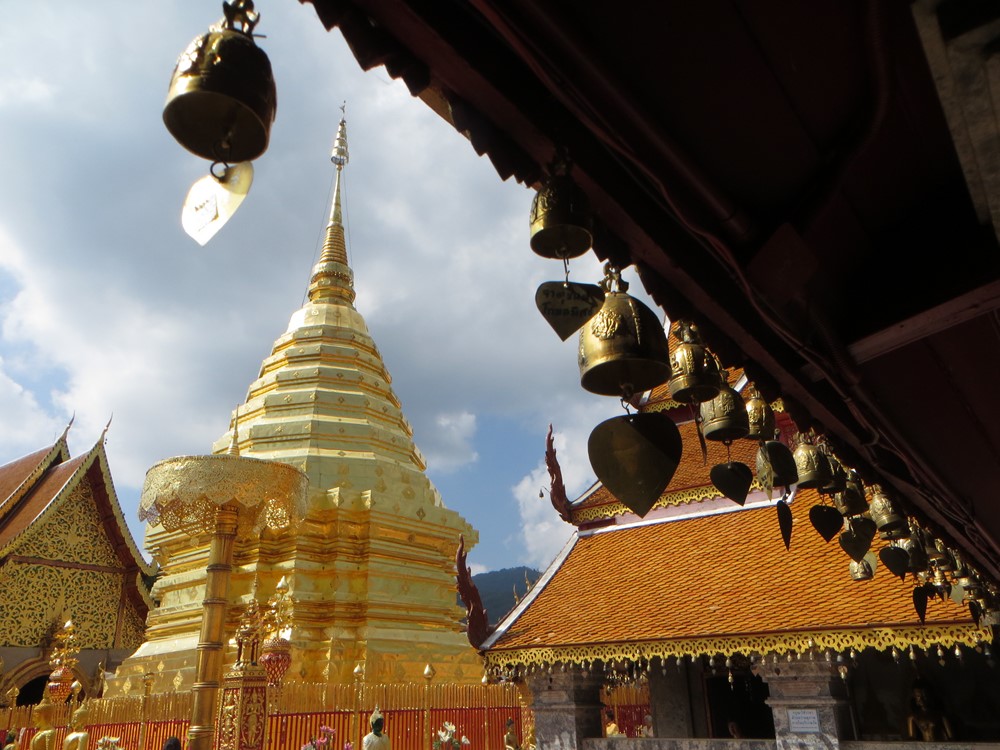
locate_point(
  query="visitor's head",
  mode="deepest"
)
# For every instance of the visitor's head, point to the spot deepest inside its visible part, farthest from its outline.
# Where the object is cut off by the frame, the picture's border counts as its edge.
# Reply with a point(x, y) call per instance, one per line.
point(510, 723)
point(171, 743)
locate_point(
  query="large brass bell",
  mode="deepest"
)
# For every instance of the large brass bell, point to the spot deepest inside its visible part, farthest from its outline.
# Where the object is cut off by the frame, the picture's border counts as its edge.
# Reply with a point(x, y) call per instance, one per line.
point(890, 521)
point(695, 373)
point(760, 415)
point(812, 464)
point(561, 224)
point(222, 98)
point(724, 418)
point(623, 348)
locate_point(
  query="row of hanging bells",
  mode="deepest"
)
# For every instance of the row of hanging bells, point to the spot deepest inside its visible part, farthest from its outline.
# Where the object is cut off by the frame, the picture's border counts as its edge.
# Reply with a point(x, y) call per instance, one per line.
point(623, 351)
point(622, 347)
point(220, 106)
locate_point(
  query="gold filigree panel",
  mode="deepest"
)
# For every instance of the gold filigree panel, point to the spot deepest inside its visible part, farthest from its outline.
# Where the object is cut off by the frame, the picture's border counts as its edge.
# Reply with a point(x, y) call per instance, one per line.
point(36, 596)
point(72, 532)
point(780, 643)
point(133, 629)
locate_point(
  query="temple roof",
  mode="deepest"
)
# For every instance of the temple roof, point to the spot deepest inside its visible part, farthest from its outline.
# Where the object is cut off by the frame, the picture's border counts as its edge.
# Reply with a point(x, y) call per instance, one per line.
point(45, 479)
point(713, 582)
point(19, 476)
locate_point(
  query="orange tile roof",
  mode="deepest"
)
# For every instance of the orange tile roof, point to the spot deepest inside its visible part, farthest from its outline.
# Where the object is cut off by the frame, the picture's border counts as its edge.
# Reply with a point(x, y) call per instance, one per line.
point(13, 475)
point(38, 499)
point(720, 576)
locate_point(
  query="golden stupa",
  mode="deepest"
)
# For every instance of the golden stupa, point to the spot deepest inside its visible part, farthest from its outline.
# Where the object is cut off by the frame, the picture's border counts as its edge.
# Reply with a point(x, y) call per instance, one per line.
point(371, 570)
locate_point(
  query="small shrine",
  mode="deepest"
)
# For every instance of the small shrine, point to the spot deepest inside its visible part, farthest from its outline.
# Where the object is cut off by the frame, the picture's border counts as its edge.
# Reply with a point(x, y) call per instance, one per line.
point(66, 554)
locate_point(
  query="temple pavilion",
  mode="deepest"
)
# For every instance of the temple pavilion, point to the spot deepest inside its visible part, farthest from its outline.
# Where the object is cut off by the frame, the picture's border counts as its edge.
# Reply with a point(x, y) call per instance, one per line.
point(700, 602)
point(66, 554)
point(371, 568)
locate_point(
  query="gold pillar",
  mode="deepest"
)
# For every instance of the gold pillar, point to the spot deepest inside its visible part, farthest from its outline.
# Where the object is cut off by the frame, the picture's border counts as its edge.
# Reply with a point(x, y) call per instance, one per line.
point(208, 675)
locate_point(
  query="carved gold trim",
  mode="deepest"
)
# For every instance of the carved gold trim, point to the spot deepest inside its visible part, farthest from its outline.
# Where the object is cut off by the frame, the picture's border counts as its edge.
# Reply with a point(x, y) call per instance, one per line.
point(668, 404)
point(761, 643)
point(667, 500)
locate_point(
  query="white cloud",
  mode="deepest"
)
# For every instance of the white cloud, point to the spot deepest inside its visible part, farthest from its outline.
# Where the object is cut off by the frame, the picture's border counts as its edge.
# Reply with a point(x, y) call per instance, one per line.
point(450, 446)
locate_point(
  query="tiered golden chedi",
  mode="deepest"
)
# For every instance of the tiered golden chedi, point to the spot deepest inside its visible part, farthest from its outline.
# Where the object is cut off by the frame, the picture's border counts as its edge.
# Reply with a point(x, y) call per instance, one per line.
point(371, 569)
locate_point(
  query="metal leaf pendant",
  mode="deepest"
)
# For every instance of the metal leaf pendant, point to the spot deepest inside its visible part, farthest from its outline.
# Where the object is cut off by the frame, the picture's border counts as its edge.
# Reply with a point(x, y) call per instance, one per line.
point(567, 305)
point(635, 457)
point(212, 201)
point(826, 520)
point(896, 560)
point(733, 480)
point(857, 540)
point(785, 522)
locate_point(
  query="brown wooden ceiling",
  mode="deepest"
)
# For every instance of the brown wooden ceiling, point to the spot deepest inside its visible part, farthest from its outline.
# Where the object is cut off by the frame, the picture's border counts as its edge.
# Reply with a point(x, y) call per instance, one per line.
point(782, 173)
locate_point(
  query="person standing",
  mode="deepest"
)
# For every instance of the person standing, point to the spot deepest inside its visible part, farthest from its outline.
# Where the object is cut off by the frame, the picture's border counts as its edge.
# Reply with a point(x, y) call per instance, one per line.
point(376, 739)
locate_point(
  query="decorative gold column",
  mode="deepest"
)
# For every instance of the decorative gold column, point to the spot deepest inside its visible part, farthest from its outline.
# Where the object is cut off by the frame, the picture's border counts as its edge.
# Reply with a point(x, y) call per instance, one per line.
point(208, 674)
point(231, 497)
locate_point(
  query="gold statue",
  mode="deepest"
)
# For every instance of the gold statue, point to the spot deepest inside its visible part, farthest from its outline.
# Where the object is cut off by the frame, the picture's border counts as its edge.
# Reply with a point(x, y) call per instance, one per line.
point(44, 716)
point(510, 738)
point(79, 737)
point(926, 722)
point(375, 739)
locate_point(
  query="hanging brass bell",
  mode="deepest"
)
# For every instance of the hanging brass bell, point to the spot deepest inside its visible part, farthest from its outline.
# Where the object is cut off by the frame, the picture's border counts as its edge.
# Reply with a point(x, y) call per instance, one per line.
point(861, 570)
point(724, 418)
point(695, 372)
point(812, 464)
point(561, 223)
point(885, 513)
point(838, 477)
point(623, 349)
point(775, 465)
point(914, 547)
point(851, 501)
point(222, 98)
point(760, 415)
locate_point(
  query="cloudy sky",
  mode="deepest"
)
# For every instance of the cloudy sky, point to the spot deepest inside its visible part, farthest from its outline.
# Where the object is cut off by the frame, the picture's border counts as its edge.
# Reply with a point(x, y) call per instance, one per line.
point(108, 308)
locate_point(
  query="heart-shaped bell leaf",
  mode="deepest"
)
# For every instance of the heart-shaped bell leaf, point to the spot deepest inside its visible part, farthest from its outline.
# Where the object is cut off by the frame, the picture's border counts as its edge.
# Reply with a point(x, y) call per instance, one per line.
point(826, 520)
point(567, 305)
point(920, 603)
point(635, 457)
point(213, 200)
point(733, 480)
point(857, 540)
point(976, 611)
point(896, 560)
point(785, 522)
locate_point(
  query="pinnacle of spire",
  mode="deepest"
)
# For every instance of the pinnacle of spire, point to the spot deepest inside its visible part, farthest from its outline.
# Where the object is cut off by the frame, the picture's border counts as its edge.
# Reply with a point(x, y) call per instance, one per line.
point(332, 276)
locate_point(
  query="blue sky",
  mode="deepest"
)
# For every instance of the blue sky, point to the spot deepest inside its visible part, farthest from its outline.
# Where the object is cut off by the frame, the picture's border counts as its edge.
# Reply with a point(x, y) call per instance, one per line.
point(107, 307)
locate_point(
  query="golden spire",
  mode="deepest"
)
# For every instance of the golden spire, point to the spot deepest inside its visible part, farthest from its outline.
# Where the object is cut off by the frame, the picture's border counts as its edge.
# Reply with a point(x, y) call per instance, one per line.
point(332, 276)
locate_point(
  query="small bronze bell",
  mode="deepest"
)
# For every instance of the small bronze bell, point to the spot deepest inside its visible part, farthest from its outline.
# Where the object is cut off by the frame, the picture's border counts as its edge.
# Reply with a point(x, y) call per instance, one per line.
point(760, 415)
point(861, 570)
point(914, 547)
point(838, 477)
point(695, 372)
point(623, 349)
point(775, 465)
point(222, 98)
point(851, 502)
point(561, 224)
point(724, 418)
point(812, 464)
point(890, 521)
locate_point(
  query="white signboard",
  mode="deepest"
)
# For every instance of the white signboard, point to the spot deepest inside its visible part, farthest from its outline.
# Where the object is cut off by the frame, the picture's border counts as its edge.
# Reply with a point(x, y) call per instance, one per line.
point(803, 721)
